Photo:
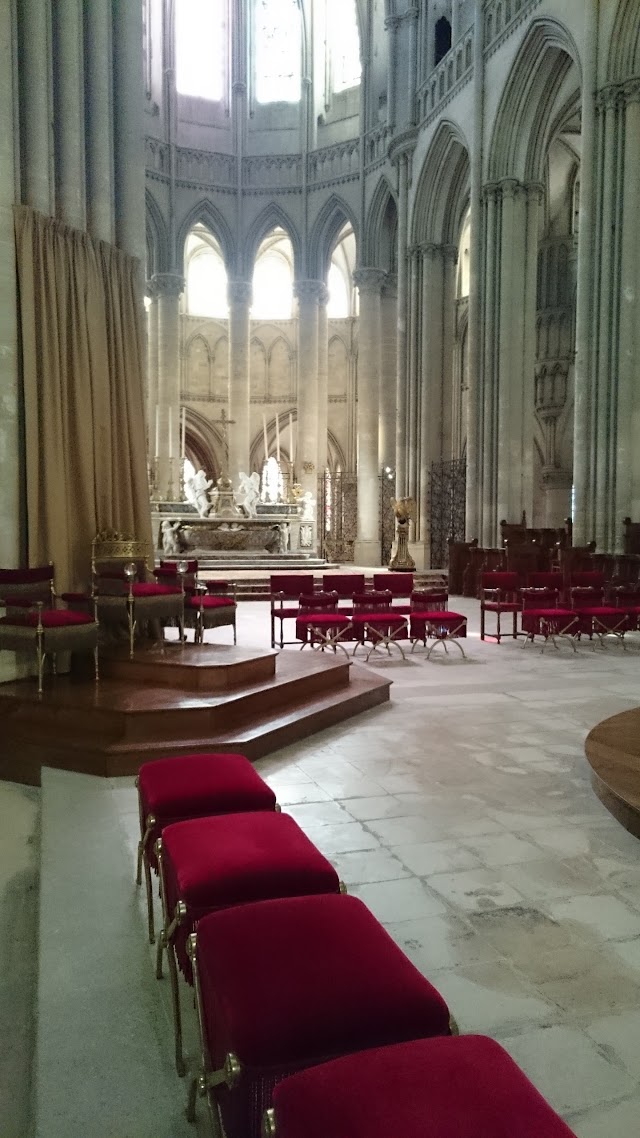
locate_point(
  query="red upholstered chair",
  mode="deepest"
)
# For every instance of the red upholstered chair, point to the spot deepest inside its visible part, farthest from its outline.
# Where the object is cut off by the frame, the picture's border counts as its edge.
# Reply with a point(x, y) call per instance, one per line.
point(551, 580)
point(207, 604)
point(400, 585)
point(208, 864)
point(122, 588)
point(192, 786)
point(283, 985)
point(627, 599)
point(595, 617)
point(33, 624)
point(431, 618)
point(499, 592)
point(462, 1087)
point(286, 588)
point(319, 623)
point(345, 585)
point(544, 615)
point(377, 623)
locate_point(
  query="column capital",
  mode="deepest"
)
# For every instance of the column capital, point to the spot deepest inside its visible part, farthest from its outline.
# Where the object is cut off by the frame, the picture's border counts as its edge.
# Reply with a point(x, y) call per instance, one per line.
point(310, 291)
point(632, 91)
point(369, 280)
point(392, 23)
point(239, 292)
point(166, 284)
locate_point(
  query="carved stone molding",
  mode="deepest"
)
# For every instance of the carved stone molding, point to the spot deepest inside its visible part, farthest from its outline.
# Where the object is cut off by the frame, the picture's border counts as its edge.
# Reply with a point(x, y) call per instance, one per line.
point(310, 292)
point(369, 280)
point(166, 284)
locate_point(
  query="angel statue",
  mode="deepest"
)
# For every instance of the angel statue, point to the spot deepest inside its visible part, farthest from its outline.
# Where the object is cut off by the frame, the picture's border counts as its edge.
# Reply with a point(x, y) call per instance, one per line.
point(170, 540)
point(249, 492)
point(405, 512)
point(196, 490)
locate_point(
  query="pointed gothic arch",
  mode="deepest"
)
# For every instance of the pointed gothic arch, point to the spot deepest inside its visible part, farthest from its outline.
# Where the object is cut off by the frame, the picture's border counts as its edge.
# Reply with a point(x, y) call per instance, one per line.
point(331, 219)
point(443, 189)
point(624, 51)
point(540, 78)
point(157, 237)
point(271, 217)
point(379, 234)
point(206, 214)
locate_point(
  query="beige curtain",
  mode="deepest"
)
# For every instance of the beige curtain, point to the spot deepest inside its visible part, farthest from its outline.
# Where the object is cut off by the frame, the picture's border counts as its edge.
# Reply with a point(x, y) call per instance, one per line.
point(81, 329)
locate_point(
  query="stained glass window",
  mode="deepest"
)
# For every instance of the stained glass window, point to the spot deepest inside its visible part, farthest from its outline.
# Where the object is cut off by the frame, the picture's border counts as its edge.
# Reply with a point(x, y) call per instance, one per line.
point(200, 48)
point(343, 41)
point(207, 284)
point(277, 51)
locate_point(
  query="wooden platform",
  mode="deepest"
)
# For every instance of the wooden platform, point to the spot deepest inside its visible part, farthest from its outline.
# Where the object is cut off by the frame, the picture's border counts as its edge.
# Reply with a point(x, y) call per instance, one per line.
point(176, 701)
point(613, 750)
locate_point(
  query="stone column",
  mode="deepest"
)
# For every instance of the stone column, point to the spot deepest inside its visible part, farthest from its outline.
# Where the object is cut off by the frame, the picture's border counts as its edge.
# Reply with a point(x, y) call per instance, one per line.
point(627, 502)
point(401, 328)
point(34, 48)
point(168, 287)
point(388, 410)
point(367, 547)
point(128, 105)
point(414, 393)
point(604, 370)
point(475, 390)
point(309, 295)
point(392, 23)
point(152, 364)
point(487, 409)
point(323, 381)
point(99, 121)
point(69, 111)
point(239, 293)
point(11, 473)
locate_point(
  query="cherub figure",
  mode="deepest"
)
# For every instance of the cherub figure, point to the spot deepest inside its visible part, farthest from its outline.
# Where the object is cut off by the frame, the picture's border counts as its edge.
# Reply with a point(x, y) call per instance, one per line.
point(404, 510)
point(249, 493)
point(198, 492)
point(170, 542)
point(308, 502)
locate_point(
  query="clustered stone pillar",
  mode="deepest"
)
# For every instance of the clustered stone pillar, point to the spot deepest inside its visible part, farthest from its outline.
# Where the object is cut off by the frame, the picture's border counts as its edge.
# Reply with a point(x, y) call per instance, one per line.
point(99, 121)
point(309, 295)
point(401, 327)
point(239, 294)
point(323, 381)
point(36, 135)
point(388, 335)
point(367, 547)
point(164, 418)
point(69, 112)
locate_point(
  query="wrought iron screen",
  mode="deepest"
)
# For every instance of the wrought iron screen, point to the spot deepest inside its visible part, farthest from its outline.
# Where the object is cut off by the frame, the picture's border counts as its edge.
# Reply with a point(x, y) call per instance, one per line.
point(337, 515)
point(387, 517)
point(447, 486)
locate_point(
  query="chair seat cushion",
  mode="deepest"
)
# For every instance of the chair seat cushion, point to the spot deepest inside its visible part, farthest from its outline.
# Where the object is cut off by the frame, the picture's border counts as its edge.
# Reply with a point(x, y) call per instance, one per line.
point(234, 858)
point(324, 620)
point(548, 614)
point(286, 612)
point(602, 611)
point(207, 601)
point(76, 598)
point(307, 978)
point(466, 1087)
point(190, 786)
point(51, 618)
point(151, 589)
point(401, 609)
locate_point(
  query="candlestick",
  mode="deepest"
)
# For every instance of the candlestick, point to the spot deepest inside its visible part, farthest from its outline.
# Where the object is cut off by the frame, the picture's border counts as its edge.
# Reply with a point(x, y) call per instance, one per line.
point(264, 428)
point(157, 454)
point(277, 439)
point(184, 433)
point(291, 438)
point(171, 432)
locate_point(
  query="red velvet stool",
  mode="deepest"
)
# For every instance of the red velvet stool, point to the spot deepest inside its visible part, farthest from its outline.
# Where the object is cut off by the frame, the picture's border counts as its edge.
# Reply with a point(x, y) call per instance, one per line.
point(466, 1087)
point(283, 985)
point(192, 786)
point(211, 863)
point(443, 627)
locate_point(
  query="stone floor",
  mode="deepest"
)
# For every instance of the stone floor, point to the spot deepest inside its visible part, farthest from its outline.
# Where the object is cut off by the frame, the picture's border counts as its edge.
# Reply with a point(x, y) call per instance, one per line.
point(462, 814)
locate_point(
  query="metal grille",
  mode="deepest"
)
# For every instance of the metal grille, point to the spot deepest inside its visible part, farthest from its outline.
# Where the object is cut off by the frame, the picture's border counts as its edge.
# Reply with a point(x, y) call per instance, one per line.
point(387, 517)
point(447, 485)
point(338, 515)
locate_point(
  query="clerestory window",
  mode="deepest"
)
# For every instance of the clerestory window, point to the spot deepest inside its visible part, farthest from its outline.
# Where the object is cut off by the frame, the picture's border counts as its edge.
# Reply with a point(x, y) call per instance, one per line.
point(278, 43)
point(200, 43)
point(206, 292)
point(343, 44)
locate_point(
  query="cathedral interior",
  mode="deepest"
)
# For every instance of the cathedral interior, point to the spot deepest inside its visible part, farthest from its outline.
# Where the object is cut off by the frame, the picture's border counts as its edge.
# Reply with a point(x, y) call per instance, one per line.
point(367, 251)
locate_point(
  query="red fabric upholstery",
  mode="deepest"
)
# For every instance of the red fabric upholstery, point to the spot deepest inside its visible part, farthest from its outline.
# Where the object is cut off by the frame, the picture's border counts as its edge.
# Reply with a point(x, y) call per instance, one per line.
point(34, 576)
point(233, 858)
point(50, 618)
point(344, 584)
point(506, 582)
point(151, 589)
point(545, 581)
point(590, 580)
point(190, 786)
point(207, 601)
point(193, 786)
point(76, 598)
point(464, 1087)
point(298, 980)
point(398, 584)
point(291, 584)
point(210, 863)
point(501, 606)
point(438, 624)
point(172, 566)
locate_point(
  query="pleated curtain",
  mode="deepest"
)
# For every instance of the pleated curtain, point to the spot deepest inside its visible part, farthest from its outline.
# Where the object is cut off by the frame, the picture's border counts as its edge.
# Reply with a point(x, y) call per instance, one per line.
point(82, 356)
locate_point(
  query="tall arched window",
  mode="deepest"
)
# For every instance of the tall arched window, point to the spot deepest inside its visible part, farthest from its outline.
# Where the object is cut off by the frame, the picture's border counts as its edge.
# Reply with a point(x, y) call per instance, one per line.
point(278, 44)
point(340, 277)
point(463, 257)
point(200, 48)
point(442, 40)
point(343, 43)
point(273, 279)
point(206, 293)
